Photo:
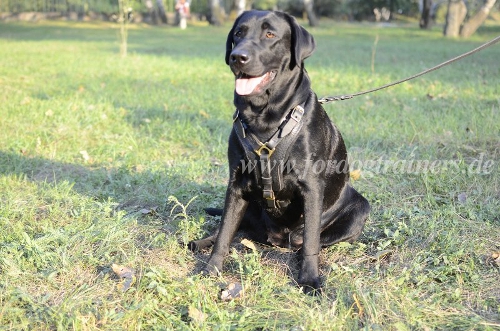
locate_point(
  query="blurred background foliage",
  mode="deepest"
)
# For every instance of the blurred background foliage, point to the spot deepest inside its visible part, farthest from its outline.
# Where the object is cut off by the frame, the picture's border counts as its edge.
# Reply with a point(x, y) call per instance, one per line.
point(340, 9)
point(461, 17)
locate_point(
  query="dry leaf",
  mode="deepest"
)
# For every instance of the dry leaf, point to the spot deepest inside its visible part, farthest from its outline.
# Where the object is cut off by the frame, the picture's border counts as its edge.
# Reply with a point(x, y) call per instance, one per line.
point(196, 315)
point(85, 155)
point(204, 114)
point(496, 258)
point(462, 198)
point(381, 254)
point(146, 211)
point(358, 305)
point(355, 174)
point(232, 291)
point(128, 275)
point(249, 244)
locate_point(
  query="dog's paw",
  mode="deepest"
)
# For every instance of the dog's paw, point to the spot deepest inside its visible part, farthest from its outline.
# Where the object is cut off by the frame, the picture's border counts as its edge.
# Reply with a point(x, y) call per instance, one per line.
point(314, 290)
point(210, 270)
point(309, 275)
point(311, 287)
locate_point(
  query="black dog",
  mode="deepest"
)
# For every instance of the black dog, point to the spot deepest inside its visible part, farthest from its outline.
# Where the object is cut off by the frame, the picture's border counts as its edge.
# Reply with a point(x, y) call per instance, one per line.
point(289, 178)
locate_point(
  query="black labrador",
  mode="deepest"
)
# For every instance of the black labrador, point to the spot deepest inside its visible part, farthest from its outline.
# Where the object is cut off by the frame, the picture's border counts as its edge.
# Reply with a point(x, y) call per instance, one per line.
point(289, 176)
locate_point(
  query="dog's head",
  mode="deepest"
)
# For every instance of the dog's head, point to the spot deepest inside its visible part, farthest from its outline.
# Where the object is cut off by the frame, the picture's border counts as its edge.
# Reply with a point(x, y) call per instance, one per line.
point(262, 45)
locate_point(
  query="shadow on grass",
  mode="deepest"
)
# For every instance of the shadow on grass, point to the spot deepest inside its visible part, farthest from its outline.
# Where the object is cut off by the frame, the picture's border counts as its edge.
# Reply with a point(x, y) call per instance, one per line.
point(132, 189)
point(140, 191)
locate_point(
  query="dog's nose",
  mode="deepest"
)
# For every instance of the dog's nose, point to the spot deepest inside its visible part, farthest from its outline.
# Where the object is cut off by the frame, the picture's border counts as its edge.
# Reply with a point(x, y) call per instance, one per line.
point(239, 57)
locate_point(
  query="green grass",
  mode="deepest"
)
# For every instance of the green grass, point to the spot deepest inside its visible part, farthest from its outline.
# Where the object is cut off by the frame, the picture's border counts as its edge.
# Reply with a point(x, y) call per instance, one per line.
point(92, 146)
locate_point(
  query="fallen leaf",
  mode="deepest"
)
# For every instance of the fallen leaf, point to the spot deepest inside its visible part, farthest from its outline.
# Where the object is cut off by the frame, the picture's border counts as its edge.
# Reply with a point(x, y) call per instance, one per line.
point(249, 244)
point(204, 114)
point(496, 258)
point(232, 291)
point(122, 271)
point(462, 198)
point(127, 274)
point(196, 315)
point(355, 174)
point(146, 211)
point(85, 155)
point(215, 162)
point(381, 254)
point(358, 305)
point(25, 101)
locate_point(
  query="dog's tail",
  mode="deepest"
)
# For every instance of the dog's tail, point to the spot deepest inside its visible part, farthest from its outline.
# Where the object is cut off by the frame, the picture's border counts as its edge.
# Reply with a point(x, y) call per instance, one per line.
point(213, 211)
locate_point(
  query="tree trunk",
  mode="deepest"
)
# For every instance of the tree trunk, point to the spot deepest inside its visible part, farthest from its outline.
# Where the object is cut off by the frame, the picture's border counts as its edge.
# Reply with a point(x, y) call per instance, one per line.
point(240, 6)
point(477, 20)
point(311, 16)
point(455, 17)
point(216, 12)
point(161, 11)
point(425, 20)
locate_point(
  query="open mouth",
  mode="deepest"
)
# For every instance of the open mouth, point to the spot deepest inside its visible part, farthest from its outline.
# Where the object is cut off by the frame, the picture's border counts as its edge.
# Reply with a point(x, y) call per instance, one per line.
point(248, 85)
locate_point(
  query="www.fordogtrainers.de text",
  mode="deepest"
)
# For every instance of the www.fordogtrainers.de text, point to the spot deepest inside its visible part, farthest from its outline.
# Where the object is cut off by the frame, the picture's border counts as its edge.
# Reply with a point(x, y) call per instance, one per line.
point(478, 166)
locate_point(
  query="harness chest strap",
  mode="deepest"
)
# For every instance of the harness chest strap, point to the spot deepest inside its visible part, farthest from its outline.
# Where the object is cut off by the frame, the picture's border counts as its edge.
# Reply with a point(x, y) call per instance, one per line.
point(263, 151)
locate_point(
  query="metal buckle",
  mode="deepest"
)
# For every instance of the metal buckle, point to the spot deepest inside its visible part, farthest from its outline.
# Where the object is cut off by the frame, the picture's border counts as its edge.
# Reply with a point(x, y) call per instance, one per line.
point(264, 146)
point(297, 113)
point(270, 199)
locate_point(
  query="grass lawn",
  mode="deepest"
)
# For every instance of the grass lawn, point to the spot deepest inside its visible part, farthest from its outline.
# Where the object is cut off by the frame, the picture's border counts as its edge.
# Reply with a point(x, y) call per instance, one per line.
point(109, 160)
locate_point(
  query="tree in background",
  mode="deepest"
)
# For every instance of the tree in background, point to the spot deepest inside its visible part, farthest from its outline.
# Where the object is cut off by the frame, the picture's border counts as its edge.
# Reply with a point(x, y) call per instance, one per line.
point(477, 20)
point(217, 12)
point(124, 16)
point(455, 18)
point(425, 19)
point(311, 16)
point(463, 17)
point(161, 11)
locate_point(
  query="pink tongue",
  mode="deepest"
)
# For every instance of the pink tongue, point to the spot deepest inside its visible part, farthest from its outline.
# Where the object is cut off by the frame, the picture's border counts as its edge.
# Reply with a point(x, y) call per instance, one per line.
point(245, 86)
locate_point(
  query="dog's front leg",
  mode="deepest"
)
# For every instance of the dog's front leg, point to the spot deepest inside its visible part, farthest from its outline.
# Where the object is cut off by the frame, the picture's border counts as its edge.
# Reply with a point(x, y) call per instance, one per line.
point(309, 270)
point(234, 209)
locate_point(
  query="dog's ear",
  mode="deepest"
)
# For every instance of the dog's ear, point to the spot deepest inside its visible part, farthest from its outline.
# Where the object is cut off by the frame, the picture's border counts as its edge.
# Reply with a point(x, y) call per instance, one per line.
point(229, 41)
point(303, 44)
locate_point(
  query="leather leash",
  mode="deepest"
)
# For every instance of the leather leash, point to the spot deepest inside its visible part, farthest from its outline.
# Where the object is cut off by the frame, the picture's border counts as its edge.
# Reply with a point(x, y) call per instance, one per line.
point(350, 96)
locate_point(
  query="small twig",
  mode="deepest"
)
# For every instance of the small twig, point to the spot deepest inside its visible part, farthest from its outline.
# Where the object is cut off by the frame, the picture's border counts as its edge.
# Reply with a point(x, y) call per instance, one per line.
point(123, 19)
point(374, 51)
point(358, 304)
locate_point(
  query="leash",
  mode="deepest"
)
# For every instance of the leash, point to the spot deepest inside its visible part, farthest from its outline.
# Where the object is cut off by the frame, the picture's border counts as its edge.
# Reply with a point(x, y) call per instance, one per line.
point(350, 96)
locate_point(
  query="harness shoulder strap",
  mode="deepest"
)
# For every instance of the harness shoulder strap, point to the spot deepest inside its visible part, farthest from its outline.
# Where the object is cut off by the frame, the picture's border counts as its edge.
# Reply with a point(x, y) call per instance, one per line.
point(271, 177)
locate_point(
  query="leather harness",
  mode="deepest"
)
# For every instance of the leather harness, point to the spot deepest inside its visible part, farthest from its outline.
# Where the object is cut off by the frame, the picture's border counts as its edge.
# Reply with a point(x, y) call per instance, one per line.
point(256, 151)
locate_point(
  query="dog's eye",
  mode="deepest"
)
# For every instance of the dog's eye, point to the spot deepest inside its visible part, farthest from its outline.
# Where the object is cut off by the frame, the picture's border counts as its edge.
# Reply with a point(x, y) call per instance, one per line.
point(238, 33)
point(270, 35)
